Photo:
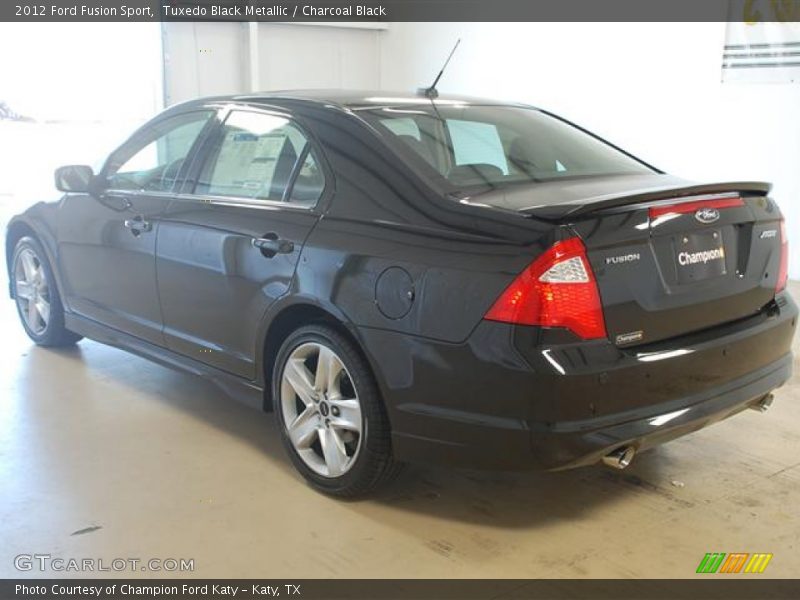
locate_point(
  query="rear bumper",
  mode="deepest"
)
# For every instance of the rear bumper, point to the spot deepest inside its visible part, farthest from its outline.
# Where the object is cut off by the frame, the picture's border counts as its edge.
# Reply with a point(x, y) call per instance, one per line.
point(505, 400)
point(570, 445)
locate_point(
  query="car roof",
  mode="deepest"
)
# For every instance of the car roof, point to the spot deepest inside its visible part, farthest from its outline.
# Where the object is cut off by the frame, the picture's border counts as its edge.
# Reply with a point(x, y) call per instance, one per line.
point(350, 99)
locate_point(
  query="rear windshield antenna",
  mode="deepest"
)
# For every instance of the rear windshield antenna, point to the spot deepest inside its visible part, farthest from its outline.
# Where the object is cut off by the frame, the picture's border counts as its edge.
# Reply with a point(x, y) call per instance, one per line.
point(432, 92)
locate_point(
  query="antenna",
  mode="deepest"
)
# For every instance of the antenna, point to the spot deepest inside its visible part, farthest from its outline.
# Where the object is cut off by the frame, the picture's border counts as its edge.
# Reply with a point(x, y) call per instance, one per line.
point(432, 92)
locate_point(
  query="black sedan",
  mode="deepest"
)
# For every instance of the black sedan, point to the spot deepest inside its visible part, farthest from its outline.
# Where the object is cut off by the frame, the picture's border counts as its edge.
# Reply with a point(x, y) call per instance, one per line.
point(402, 278)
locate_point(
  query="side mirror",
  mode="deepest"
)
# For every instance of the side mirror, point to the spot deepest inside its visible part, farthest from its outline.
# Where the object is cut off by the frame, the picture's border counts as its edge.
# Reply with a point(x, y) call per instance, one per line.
point(74, 178)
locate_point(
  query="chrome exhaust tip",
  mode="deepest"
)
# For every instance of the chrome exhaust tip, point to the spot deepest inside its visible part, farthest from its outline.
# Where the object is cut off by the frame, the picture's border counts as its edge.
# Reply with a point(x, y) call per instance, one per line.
point(620, 458)
point(763, 404)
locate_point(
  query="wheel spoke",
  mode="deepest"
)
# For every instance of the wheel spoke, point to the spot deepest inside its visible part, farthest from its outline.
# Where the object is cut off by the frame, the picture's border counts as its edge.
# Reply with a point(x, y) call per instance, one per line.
point(329, 366)
point(303, 430)
point(324, 359)
point(28, 265)
point(333, 451)
point(349, 415)
point(23, 289)
point(33, 315)
point(43, 308)
point(299, 378)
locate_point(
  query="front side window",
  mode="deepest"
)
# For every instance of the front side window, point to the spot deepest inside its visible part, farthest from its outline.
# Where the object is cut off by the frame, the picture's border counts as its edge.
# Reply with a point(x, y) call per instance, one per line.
point(152, 161)
point(256, 157)
point(470, 146)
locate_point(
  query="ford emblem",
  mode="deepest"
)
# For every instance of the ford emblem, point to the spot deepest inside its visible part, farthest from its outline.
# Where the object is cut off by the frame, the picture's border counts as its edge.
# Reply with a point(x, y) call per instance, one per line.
point(707, 215)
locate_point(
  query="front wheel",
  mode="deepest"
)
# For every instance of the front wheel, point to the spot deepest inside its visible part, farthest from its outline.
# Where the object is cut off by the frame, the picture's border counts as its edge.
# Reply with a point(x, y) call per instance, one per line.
point(333, 422)
point(38, 303)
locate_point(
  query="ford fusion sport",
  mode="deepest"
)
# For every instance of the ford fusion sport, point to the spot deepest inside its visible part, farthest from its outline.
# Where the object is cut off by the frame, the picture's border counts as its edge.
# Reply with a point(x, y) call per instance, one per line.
point(403, 278)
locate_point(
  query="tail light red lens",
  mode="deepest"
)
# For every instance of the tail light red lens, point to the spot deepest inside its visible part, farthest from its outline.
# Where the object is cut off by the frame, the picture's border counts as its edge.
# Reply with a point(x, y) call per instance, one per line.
point(783, 270)
point(557, 290)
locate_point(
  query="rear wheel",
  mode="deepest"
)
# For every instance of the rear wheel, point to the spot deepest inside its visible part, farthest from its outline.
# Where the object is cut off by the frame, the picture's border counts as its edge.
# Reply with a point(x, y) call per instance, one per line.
point(332, 419)
point(38, 303)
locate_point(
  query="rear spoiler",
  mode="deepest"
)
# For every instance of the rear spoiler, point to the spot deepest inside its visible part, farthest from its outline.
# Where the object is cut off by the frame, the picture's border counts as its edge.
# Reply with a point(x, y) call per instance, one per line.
point(583, 206)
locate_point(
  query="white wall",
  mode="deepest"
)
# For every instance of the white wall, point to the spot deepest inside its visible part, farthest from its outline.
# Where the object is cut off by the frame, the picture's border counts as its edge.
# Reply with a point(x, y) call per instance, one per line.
point(302, 56)
point(204, 59)
point(652, 88)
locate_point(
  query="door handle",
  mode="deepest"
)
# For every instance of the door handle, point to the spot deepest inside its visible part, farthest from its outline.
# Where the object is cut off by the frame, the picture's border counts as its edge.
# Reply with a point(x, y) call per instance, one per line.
point(137, 225)
point(273, 246)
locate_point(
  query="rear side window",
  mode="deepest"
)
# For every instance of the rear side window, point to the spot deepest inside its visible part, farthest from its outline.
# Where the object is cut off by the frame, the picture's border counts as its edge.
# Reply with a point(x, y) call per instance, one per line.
point(152, 160)
point(309, 182)
point(256, 157)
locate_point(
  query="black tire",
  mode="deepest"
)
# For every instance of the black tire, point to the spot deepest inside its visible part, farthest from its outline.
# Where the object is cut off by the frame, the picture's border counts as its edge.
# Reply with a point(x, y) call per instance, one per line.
point(54, 334)
point(373, 465)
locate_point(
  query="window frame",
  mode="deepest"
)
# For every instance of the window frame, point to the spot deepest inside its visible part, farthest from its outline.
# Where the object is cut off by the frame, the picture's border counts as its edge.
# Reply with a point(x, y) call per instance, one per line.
point(205, 153)
point(144, 136)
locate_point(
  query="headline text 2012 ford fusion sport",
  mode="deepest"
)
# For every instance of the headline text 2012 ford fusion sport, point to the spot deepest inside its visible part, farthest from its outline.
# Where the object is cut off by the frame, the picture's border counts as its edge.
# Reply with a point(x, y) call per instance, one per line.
point(403, 278)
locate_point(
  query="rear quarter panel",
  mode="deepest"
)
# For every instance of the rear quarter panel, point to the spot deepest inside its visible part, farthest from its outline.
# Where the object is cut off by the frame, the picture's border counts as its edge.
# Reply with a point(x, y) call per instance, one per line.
point(392, 253)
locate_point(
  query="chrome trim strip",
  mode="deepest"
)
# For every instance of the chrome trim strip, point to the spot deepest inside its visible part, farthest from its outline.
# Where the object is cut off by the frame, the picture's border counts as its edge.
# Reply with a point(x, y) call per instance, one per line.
point(215, 200)
point(136, 193)
point(242, 202)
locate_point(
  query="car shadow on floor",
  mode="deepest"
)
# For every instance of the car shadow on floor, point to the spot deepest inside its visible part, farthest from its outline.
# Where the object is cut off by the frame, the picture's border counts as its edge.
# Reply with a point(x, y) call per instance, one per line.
point(139, 379)
point(496, 499)
point(526, 499)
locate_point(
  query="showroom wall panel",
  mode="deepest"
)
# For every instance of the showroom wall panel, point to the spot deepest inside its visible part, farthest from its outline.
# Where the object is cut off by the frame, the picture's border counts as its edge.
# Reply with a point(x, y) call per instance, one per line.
point(203, 59)
point(654, 88)
point(297, 56)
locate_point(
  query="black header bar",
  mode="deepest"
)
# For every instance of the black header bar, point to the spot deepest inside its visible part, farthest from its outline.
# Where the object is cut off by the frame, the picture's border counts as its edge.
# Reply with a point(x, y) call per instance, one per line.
point(750, 11)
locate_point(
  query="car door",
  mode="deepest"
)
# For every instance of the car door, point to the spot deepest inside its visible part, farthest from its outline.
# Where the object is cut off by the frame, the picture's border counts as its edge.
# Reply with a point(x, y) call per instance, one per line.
point(107, 240)
point(228, 246)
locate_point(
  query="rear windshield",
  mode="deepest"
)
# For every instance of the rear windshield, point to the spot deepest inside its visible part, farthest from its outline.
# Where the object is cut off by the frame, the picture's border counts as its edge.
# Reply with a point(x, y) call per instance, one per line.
point(479, 146)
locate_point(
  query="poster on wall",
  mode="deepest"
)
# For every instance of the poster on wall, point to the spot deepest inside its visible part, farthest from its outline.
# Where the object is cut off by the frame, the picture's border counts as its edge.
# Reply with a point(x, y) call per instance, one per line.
point(762, 42)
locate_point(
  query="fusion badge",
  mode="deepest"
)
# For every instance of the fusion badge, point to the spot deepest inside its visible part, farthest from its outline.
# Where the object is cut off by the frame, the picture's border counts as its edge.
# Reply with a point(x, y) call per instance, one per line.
point(623, 258)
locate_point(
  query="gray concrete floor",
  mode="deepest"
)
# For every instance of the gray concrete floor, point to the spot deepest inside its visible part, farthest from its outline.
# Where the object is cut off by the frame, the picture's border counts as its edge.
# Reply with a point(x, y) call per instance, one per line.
point(158, 464)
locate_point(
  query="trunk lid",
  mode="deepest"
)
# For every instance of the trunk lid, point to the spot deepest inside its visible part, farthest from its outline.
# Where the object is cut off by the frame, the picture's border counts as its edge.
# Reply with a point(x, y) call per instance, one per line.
point(670, 256)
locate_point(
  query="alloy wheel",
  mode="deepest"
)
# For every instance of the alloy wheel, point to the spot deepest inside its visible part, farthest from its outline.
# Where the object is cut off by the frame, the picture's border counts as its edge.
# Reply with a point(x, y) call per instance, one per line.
point(32, 291)
point(321, 410)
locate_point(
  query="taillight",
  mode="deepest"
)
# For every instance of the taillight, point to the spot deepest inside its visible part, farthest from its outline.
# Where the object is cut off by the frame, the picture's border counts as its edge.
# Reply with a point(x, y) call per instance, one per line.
point(557, 290)
point(783, 270)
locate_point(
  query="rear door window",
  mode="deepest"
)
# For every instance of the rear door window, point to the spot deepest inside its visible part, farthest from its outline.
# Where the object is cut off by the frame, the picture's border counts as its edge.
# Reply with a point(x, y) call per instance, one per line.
point(255, 158)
